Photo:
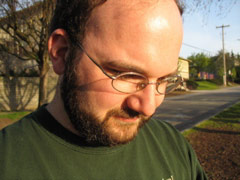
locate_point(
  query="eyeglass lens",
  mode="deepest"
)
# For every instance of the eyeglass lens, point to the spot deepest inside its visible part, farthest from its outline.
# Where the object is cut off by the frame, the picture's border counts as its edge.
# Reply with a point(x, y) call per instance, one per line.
point(130, 83)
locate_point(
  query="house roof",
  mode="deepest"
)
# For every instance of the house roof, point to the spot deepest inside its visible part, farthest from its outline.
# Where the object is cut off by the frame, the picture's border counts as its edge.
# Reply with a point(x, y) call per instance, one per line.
point(185, 59)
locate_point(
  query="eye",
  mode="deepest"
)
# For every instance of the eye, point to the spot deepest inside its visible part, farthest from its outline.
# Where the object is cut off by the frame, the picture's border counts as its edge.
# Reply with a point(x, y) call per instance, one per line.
point(112, 71)
point(115, 71)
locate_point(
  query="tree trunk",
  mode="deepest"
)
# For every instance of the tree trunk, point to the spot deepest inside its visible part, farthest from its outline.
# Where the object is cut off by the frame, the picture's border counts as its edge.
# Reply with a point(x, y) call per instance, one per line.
point(43, 83)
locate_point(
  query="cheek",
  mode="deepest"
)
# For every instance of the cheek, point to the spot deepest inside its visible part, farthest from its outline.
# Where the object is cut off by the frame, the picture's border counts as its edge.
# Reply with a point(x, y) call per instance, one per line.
point(95, 89)
point(102, 102)
point(159, 100)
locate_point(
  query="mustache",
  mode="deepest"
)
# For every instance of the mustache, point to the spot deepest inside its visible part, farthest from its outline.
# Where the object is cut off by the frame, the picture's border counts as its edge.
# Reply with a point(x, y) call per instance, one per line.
point(125, 113)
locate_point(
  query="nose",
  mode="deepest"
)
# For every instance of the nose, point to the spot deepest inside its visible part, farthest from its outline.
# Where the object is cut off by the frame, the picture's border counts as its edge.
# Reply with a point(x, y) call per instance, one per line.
point(145, 101)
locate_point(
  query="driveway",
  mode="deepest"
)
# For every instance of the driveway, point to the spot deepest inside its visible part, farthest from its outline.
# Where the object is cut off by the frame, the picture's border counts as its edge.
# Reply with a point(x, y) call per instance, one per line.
point(185, 111)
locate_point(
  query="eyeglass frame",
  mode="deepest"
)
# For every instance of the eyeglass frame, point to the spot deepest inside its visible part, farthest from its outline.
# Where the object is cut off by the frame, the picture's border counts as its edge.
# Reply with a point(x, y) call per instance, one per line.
point(180, 79)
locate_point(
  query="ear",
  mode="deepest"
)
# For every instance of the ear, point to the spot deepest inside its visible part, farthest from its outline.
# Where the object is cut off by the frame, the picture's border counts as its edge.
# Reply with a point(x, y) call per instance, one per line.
point(58, 46)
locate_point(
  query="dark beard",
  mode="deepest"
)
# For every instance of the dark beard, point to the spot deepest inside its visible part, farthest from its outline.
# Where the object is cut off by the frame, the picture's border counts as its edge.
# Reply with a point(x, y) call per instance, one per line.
point(91, 128)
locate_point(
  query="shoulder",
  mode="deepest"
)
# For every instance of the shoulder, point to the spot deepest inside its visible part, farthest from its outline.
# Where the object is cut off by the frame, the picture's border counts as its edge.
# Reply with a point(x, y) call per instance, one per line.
point(20, 143)
point(165, 143)
point(156, 124)
point(23, 130)
point(164, 136)
point(157, 128)
point(17, 131)
point(26, 124)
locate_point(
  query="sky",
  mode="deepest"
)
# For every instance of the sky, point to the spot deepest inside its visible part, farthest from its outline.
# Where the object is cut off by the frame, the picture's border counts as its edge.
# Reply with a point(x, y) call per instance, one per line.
point(200, 31)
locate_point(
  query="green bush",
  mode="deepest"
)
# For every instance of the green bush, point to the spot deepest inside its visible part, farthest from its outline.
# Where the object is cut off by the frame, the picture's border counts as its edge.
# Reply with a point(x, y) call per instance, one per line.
point(237, 80)
point(191, 84)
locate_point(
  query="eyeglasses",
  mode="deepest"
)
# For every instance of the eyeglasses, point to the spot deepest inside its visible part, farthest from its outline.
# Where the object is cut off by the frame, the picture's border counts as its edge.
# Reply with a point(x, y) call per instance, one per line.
point(131, 82)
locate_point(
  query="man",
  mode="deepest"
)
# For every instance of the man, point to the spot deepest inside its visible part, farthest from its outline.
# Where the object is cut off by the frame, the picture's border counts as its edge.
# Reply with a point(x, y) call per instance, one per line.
point(116, 60)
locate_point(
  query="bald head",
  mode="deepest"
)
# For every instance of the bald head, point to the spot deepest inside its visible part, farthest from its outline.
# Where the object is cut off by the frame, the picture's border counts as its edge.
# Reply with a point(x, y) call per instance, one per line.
point(73, 15)
point(135, 30)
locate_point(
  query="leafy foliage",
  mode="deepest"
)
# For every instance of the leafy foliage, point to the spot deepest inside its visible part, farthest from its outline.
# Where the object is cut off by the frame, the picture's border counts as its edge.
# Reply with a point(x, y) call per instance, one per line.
point(202, 63)
point(191, 84)
point(231, 65)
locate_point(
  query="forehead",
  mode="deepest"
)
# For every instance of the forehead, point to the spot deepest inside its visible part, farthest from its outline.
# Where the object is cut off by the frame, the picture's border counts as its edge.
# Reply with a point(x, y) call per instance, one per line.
point(134, 13)
point(141, 33)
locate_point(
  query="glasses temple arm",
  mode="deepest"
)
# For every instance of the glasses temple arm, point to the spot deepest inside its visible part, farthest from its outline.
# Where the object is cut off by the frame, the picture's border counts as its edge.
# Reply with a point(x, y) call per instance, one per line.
point(80, 46)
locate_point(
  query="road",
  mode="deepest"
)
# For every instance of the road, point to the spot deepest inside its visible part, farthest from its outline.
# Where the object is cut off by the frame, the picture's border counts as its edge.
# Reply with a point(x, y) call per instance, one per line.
point(185, 111)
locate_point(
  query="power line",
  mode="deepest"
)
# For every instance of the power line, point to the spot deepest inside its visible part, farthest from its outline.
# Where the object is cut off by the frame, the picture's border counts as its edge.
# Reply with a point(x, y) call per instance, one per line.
point(195, 47)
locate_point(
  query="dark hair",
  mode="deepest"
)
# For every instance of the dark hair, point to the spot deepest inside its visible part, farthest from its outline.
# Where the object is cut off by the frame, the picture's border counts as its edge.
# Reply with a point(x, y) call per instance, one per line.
point(72, 16)
point(180, 6)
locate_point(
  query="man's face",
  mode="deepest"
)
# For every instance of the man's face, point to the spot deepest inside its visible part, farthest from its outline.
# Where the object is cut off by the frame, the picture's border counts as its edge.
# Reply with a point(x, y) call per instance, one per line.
point(137, 36)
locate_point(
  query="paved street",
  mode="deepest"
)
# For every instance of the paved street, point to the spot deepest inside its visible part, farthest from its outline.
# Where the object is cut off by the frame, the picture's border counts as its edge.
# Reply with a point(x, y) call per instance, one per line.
point(184, 111)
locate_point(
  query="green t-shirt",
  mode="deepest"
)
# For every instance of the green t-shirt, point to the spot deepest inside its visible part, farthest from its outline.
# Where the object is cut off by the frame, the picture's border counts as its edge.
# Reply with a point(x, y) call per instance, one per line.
point(38, 147)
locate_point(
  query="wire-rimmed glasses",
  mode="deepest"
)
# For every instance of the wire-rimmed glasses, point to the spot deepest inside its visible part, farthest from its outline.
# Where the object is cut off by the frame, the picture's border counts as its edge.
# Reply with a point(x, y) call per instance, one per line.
point(131, 82)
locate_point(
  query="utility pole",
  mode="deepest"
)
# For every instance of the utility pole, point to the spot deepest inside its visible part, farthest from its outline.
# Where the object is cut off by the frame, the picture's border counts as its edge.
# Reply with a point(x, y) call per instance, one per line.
point(238, 55)
point(224, 59)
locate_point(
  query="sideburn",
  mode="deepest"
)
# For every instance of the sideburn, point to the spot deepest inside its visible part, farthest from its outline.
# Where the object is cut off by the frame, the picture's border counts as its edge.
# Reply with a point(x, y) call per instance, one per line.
point(84, 121)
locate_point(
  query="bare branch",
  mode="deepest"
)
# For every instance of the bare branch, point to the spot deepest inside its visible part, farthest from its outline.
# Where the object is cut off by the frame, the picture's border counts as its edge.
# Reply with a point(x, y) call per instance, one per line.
point(205, 7)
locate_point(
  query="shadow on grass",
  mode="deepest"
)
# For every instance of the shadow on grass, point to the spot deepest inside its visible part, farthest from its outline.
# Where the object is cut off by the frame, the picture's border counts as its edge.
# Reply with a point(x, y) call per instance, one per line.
point(229, 115)
point(216, 131)
point(225, 121)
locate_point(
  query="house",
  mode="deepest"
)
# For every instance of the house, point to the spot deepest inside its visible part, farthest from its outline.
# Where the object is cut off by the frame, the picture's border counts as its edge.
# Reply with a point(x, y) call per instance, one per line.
point(183, 68)
point(183, 71)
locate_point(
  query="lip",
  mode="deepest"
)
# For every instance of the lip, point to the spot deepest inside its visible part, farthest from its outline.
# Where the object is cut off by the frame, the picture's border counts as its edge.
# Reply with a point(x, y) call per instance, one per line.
point(127, 120)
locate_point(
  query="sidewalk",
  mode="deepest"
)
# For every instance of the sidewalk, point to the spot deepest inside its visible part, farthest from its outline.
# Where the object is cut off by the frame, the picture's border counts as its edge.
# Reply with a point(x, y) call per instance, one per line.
point(184, 111)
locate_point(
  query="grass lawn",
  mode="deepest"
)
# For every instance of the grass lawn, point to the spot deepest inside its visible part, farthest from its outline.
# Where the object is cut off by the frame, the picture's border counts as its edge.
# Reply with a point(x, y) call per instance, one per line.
point(13, 115)
point(217, 144)
point(7, 118)
point(207, 85)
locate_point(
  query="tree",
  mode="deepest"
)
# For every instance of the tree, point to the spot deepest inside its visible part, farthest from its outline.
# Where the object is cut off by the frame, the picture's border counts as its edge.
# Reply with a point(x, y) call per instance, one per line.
point(222, 6)
point(199, 63)
point(233, 64)
point(25, 24)
point(231, 58)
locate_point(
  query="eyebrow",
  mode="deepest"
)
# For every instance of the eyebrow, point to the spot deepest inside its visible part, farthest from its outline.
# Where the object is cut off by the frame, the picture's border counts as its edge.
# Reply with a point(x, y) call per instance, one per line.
point(123, 66)
point(172, 73)
point(130, 68)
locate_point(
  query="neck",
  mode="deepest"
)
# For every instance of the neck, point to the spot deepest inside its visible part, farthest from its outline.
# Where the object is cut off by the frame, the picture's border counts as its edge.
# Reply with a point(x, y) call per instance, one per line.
point(57, 110)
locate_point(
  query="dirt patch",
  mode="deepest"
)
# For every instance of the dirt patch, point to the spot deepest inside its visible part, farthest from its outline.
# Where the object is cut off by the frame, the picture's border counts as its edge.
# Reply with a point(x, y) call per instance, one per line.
point(218, 151)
